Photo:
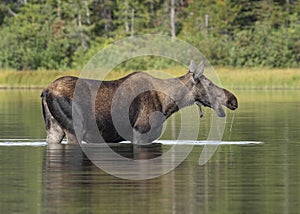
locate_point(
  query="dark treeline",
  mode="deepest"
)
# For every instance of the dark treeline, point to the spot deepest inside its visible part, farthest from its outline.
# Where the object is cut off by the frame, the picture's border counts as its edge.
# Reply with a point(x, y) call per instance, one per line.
point(63, 34)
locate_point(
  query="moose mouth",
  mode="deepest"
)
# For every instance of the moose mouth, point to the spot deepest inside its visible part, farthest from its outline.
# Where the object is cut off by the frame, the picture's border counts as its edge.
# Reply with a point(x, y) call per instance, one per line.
point(217, 107)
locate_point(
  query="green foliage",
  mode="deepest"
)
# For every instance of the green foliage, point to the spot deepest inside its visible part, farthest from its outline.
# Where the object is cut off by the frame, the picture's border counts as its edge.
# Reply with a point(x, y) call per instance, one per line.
point(62, 34)
point(144, 63)
point(30, 40)
point(243, 33)
point(265, 47)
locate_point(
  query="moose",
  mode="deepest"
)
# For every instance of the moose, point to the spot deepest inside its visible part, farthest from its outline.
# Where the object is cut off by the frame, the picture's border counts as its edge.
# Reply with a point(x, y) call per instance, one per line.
point(132, 108)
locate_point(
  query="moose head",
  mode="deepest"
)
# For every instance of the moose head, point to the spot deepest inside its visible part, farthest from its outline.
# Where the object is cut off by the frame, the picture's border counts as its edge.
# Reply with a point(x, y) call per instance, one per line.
point(206, 93)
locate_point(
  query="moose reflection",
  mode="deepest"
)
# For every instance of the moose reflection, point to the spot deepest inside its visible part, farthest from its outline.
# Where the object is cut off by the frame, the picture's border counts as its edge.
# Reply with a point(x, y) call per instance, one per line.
point(66, 169)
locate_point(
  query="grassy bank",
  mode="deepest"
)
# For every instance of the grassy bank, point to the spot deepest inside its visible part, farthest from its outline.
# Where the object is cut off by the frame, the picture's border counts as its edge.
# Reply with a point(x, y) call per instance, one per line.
point(30, 79)
point(232, 78)
point(260, 78)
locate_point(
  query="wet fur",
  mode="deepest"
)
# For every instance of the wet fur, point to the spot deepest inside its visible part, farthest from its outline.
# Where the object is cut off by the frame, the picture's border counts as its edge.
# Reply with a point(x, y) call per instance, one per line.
point(57, 109)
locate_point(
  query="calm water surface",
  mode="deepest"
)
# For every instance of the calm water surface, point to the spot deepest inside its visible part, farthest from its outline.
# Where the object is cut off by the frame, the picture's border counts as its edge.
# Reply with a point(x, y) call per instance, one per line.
point(262, 178)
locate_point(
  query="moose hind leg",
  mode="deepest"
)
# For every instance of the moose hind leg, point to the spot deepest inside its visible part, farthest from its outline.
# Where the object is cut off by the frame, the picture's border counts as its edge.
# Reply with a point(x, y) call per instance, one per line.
point(71, 138)
point(55, 134)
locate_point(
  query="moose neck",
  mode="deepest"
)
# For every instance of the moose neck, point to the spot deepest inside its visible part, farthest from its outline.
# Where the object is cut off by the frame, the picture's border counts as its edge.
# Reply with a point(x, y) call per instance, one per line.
point(179, 94)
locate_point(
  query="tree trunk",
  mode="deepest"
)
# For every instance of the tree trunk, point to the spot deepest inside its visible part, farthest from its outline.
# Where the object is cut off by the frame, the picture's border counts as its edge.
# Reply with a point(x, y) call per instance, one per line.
point(83, 42)
point(126, 22)
point(206, 24)
point(87, 12)
point(11, 12)
point(132, 22)
point(172, 19)
point(107, 18)
point(59, 9)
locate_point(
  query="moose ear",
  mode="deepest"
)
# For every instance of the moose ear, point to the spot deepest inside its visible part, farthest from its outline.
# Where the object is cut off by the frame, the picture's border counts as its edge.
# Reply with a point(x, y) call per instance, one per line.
point(199, 71)
point(192, 67)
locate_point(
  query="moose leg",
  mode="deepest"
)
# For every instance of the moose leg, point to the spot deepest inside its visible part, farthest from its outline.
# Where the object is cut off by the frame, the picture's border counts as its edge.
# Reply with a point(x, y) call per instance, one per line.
point(137, 142)
point(71, 138)
point(137, 138)
point(140, 140)
point(55, 133)
point(146, 130)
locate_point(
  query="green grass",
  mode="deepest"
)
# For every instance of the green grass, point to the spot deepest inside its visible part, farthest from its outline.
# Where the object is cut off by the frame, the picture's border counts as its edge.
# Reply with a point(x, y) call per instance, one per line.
point(30, 79)
point(232, 78)
point(260, 78)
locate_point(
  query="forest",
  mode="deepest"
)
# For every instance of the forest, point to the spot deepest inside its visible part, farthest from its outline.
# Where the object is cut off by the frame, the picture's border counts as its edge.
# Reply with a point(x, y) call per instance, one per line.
point(65, 34)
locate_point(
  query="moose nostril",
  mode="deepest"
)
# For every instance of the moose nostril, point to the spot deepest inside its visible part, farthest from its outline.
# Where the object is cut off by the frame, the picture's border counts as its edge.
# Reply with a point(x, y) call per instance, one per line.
point(232, 103)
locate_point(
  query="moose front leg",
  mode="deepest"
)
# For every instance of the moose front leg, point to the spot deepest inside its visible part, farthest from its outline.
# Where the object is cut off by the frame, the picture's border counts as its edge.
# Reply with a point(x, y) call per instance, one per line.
point(147, 128)
point(137, 141)
point(137, 138)
point(140, 140)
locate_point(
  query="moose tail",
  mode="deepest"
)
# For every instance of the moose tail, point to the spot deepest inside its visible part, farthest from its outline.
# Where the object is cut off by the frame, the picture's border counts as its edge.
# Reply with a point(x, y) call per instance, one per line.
point(44, 104)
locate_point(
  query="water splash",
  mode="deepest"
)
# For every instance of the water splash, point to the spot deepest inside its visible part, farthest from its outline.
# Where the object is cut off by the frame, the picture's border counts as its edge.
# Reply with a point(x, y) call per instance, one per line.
point(18, 142)
point(23, 144)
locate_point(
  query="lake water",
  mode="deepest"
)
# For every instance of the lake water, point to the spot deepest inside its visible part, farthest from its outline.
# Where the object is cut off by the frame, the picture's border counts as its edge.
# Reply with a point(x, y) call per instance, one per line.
point(239, 178)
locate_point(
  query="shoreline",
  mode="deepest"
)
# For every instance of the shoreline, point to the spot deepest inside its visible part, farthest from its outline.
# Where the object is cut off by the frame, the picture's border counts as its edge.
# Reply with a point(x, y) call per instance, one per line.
point(231, 78)
point(21, 87)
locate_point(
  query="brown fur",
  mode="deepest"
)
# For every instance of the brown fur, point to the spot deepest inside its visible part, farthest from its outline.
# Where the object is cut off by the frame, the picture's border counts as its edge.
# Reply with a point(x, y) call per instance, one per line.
point(147, 112)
